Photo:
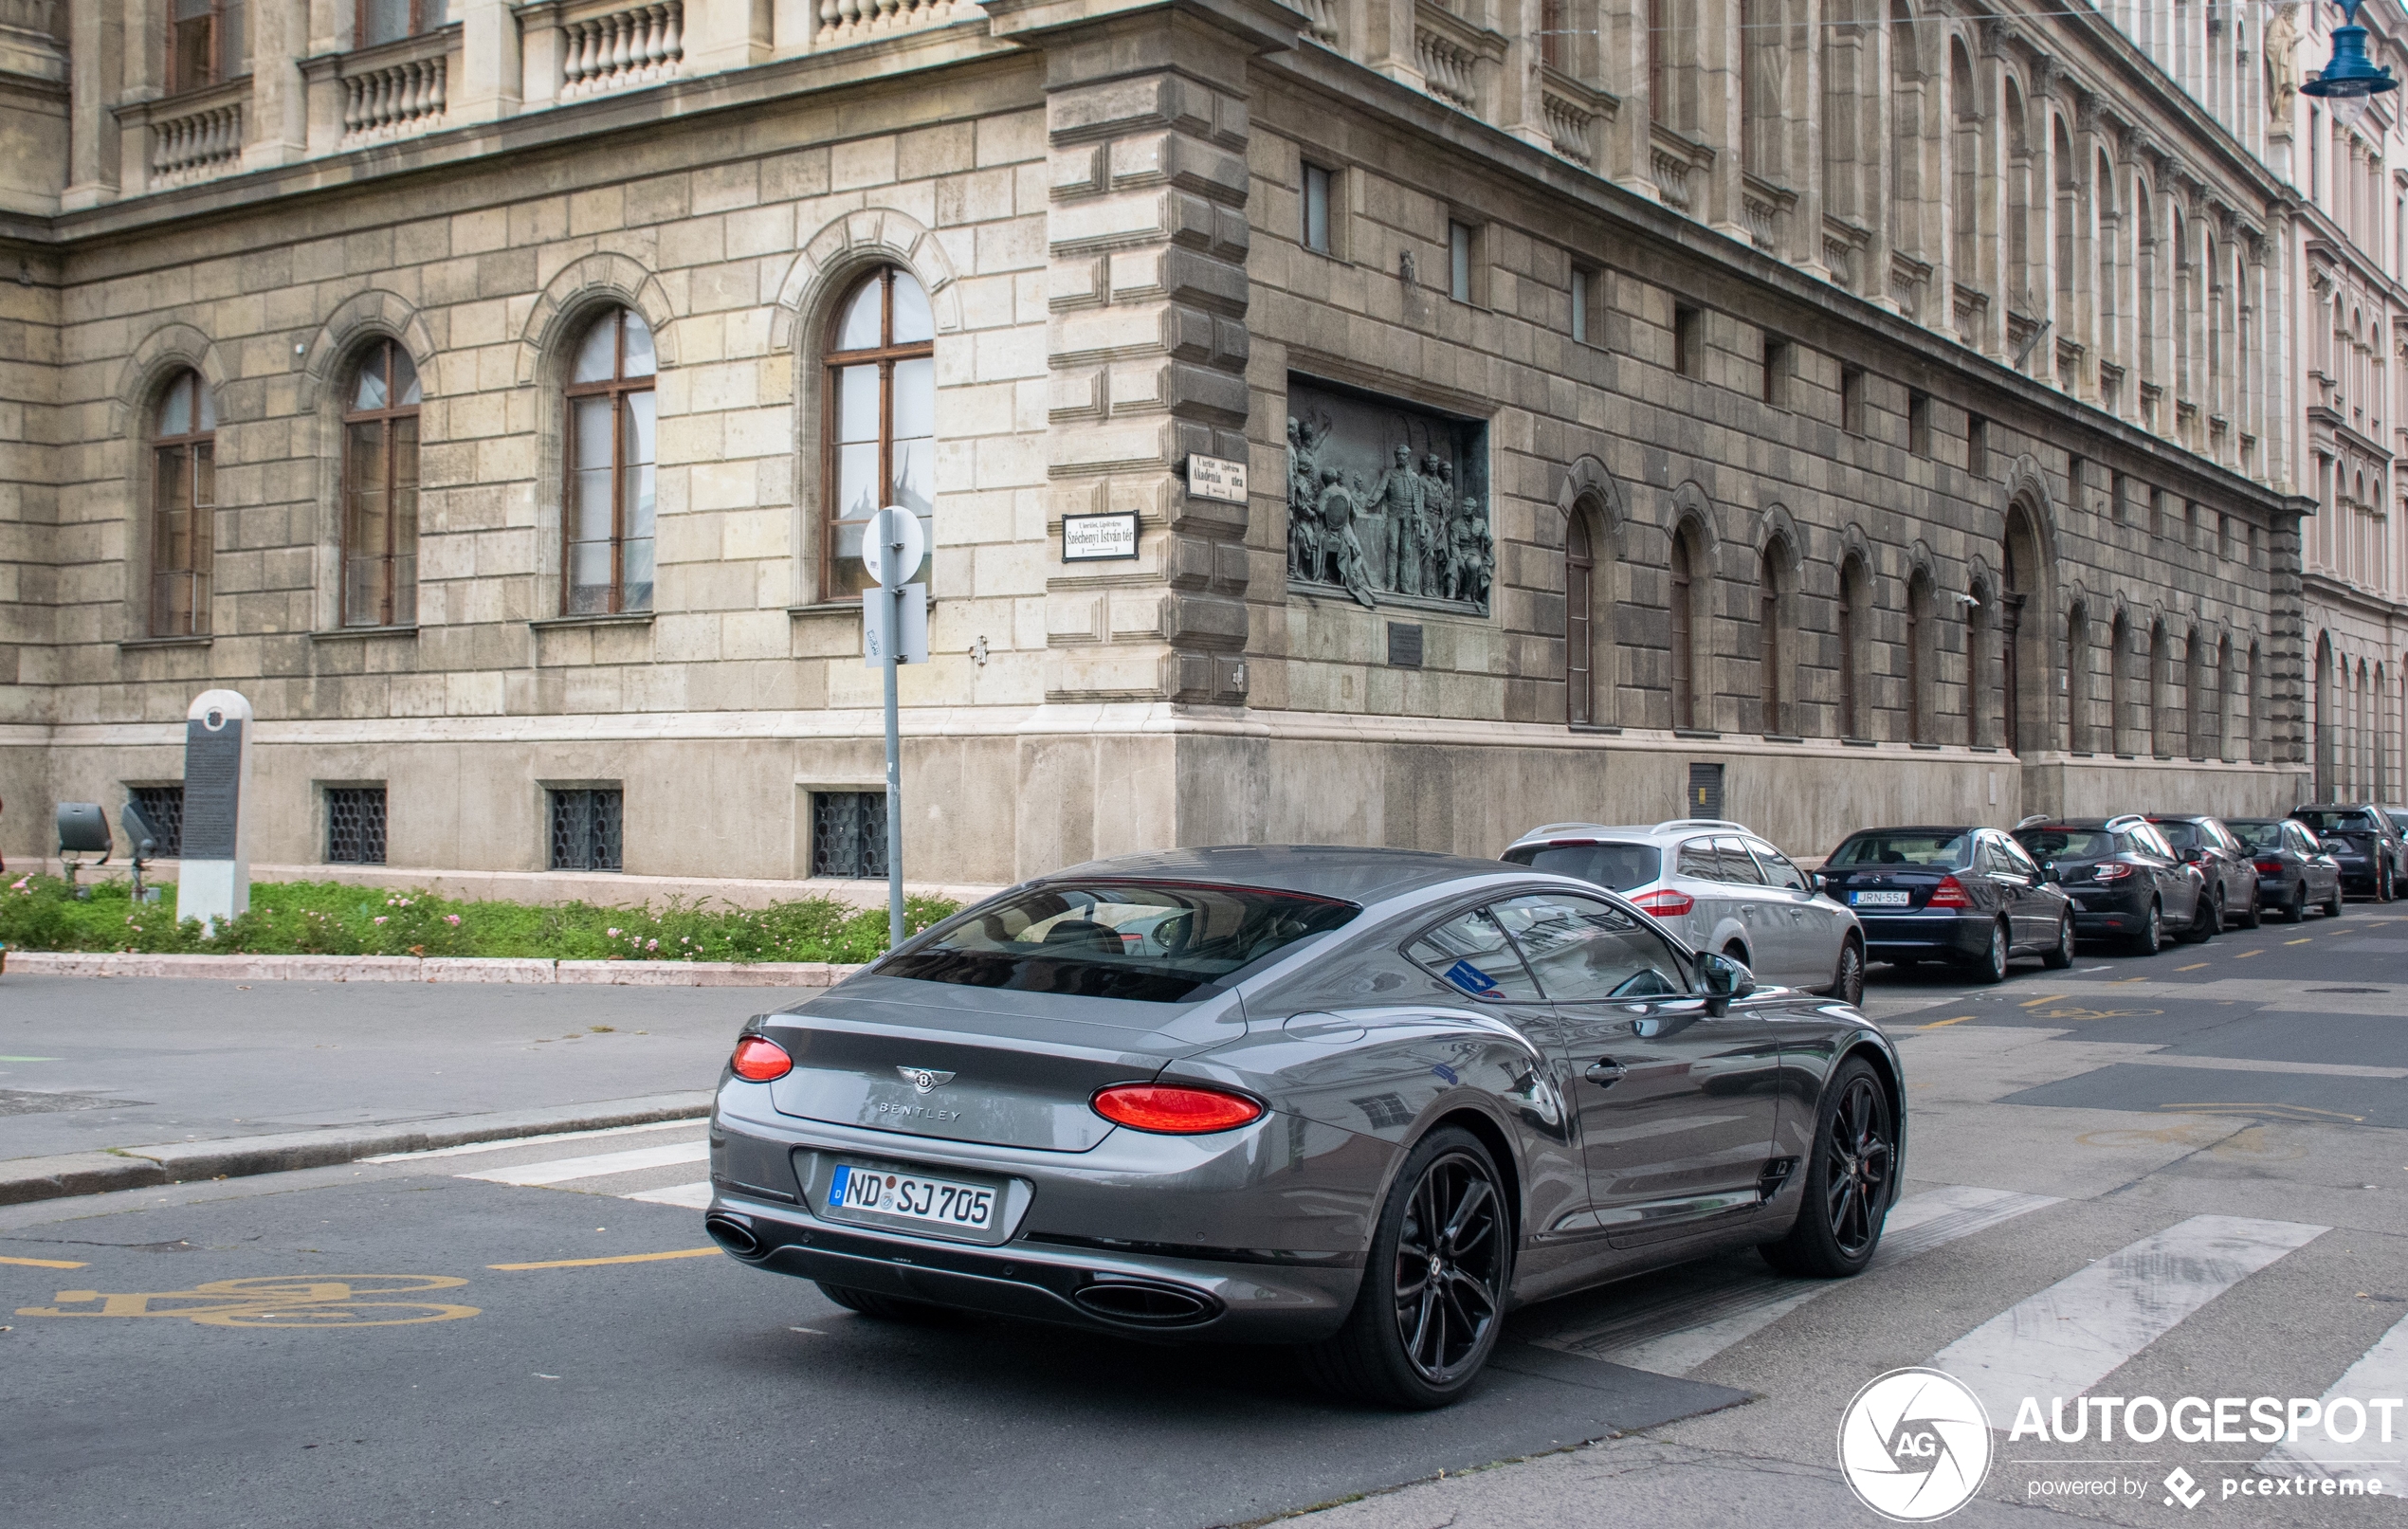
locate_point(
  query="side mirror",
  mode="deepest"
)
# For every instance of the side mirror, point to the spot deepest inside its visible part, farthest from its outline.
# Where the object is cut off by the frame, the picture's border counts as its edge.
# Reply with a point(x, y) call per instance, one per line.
point(1724, 980)
point(2049, 871)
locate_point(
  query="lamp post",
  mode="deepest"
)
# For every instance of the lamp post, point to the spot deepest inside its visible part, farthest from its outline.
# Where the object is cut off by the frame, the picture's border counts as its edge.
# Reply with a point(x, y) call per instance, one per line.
point(2350, 79)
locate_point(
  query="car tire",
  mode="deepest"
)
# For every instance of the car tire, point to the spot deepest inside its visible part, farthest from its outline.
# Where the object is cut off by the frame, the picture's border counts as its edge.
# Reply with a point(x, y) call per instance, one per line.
point(2333, 904)
point(2383, 885)
point(1848, 978)
point(2256, 909)
point(2150, 936)
point(2207, 919)
point(1405, 1345)
point(876, 1303)
point(2060, 954)
point(1990, 967)
point(1846, 1196)
point(2295, 911)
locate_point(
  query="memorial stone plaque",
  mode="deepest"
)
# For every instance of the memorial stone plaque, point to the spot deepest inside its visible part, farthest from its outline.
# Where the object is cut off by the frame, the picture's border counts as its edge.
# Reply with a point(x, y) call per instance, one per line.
point(213, 875)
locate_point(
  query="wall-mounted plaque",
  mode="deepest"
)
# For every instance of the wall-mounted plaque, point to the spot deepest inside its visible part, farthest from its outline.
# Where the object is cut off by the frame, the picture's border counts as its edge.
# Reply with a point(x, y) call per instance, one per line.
point(1216, 478)
point(1387, 502)
point(1099, 538)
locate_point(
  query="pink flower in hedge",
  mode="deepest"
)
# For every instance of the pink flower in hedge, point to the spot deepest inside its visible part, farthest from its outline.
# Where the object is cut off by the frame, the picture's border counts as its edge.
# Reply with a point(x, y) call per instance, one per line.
point(451, 918)
point(652, 944)
point(380, 919)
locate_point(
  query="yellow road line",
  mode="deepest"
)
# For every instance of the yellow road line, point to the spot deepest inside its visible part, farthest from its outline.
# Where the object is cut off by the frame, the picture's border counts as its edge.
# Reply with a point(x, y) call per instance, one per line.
point(2119, 981)
point(2246, 955)
point(2048, 999)
point(2308, 940)
point(1937, 1023)
point(45, 1263)
point(2195, 965)
point(623, 1258)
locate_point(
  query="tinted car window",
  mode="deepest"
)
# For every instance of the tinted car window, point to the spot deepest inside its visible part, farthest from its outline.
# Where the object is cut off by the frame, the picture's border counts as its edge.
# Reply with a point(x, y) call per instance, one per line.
point(1737, 865)
point(2257, 834)
point(1943, 849)
point(1619, 866)
point(1098, 940)
point(1472, 951)
point(2019, 863)
point(2180, 835)
point(2066, 844)
point(2323, 821)
point(1776, 869)
point(2152, 840)
point(1698, 859)
point(1583, 951)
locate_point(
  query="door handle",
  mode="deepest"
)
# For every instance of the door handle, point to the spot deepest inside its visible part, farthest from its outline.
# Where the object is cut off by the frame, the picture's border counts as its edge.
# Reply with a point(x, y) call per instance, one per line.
point(1605, 1072)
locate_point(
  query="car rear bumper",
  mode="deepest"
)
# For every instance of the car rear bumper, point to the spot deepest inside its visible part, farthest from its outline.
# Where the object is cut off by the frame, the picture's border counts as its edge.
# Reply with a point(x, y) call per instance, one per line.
point(1949, 935)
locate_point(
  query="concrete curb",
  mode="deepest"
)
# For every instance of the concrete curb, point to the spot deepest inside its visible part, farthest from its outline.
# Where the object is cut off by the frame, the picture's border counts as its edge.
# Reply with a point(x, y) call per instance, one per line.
point(429, 968)
point(185, 1162)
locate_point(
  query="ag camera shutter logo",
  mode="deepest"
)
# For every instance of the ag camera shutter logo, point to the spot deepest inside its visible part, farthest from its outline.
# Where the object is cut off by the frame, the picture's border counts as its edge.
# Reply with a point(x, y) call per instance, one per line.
point(1914, 1445)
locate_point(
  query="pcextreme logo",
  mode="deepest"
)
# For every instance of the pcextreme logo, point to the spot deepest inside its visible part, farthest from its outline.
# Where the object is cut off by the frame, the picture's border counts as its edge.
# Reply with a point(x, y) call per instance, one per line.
point(1914, 1445)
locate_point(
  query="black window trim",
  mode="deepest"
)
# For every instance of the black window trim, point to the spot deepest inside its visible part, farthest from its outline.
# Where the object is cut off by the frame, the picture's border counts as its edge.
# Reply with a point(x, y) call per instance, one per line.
point(1683, 957)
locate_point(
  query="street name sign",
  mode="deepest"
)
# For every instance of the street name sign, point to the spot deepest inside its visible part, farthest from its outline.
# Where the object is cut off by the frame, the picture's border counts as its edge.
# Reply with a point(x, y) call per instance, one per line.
point(1099, 538)
point(1220, 478)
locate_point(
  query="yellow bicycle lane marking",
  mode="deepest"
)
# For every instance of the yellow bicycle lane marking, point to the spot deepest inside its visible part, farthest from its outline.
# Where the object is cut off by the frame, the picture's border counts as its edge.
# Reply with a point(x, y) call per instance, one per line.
point(44, 1262)
point(278, 1301)
point(623, 1258)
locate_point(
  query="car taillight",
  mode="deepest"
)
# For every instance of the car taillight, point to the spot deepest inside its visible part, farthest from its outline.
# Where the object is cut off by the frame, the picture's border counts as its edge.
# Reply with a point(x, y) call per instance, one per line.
point(758, 1060)
point(2269, 867)
point(2113, 870)
point(1950, 893)
point(1174, 1109)
point(1664, 903)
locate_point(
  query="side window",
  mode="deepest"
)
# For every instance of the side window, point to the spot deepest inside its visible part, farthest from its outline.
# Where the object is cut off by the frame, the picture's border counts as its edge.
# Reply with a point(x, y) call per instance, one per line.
point(1776, 869)
point(2016, 861)
point(1738, 866)
point(1697, 858)
point(1473, 954)
point(1583, 951)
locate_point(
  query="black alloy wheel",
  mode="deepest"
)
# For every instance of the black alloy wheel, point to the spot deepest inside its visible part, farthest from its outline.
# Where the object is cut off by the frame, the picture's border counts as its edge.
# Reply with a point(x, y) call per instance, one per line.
point(2151, 935)
point(1432, 1302)
point(2207, 919)
point(2332, 904)
point(1847, 1184)
point(2256, 910)
point(2295, 911)
point(2060, 954)
point(1990, 967)
point(2382, 885)
point(1848, 978)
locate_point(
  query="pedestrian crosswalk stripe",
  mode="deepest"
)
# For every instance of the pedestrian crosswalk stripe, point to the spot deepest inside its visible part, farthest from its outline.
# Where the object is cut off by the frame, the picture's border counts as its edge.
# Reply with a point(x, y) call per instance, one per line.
point(692, 1196)
point(562, 1170)
point(2382, 1370)
point(1682, 1330)
point(2077, 1332)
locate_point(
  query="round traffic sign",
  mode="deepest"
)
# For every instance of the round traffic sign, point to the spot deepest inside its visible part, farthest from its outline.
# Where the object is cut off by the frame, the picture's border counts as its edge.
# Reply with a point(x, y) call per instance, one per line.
point(893, 546)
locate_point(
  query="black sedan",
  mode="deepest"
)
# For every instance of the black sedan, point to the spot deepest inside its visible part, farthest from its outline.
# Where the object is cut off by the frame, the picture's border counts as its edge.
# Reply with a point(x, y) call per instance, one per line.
point(2126, 882)
point(2222, 860)
point(2294, 872)
point(1958, 893)
point(2362, 842)
point(1363, 1101)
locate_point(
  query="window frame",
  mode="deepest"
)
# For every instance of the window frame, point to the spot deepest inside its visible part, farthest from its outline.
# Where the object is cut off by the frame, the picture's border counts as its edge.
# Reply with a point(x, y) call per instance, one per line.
point(1579, 637)
point(887, 355)
point(389, 604)
point(1463, 260)
point(218, 72)
point(1481, 909)
point(1681, 615)
point(196, 446)
point(425, 16)
point(1308, 176)
point(618, 387)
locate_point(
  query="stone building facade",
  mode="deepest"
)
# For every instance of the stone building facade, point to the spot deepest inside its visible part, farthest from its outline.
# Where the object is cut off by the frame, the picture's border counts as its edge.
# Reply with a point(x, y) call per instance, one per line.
point(1860, 414)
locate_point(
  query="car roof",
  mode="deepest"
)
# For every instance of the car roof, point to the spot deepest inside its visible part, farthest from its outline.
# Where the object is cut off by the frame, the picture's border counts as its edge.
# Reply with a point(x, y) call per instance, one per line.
point(1353, 873)
point(1669, 828)
point(1922, 828)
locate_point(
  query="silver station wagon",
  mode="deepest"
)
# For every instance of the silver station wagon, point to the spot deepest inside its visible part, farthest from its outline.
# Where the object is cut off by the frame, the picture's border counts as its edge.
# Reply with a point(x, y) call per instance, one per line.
point(1721, 888)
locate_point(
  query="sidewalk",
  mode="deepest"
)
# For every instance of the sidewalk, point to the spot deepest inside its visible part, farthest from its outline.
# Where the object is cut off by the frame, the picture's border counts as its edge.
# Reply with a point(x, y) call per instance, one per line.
point(117, 1083)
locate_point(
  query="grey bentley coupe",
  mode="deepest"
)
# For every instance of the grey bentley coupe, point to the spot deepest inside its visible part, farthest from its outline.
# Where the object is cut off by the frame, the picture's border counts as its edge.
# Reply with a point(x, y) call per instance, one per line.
point(1360, 1101)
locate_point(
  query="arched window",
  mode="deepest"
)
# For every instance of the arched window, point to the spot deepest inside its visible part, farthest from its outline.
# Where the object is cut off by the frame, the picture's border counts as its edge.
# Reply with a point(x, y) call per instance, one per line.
point(380, 491)
point(1965, 164)
point(1853, 616)
point(609, 524)
point(2259, 735)
point(183, 506)
point(881, 418)
point(2197, 697)
point(1580, 652)
point(2018, 296)
point(1982, 649)
point(2069, 171)
point(2077, 680)
point(1684, 611)
point(2161, 728)
point(1773, 616)
point(2120, 730)
point(1907, 137)
point(1919, 637)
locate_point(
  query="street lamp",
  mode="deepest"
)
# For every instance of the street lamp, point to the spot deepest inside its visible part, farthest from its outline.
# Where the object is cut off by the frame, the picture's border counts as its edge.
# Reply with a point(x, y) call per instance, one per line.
point(2351, 80)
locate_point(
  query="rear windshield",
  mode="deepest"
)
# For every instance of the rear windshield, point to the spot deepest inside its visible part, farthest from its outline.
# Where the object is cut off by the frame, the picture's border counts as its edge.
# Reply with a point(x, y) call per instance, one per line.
point(2067, 844)
point(2184, 835)
point(1618, 867)
point(2323, 821)
point(1154, 942)
point(1943, 849)
point(2257, 833)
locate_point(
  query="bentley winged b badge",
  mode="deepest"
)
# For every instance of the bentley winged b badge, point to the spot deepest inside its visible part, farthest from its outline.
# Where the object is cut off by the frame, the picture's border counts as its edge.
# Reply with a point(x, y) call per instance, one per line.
point(924, 1078)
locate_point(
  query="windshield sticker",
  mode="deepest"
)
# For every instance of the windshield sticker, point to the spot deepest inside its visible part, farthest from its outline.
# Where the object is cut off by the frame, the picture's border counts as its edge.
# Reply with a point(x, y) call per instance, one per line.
point(1471, 979)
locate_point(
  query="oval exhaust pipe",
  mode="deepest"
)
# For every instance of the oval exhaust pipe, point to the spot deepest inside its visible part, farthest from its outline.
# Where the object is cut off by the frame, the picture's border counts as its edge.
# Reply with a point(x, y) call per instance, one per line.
point(1146, 1304)
point(732, 1234)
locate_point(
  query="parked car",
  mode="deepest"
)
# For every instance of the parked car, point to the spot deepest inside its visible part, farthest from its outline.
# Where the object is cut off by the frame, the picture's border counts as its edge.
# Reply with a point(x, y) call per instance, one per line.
point(1719, 889)
point(1363, 1101)
point(1958, 893)
point(2126, 882)
point(2222, 860)
point(2364, 842)
point(2295, 871)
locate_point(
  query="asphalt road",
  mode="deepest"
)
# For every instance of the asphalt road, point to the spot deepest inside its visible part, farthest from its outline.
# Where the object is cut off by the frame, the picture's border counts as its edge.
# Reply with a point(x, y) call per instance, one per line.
point(2068, 1133)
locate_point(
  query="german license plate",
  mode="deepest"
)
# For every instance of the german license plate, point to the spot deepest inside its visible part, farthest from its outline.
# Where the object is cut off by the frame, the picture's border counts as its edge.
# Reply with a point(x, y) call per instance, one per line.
point(1880, 900)
point(970, 1207)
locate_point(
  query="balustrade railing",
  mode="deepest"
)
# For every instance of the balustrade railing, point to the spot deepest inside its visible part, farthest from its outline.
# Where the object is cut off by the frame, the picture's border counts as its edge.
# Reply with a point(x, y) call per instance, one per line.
point(35, 17)
point(1449, 70)
point(1570, 129)
point(1321, 19)
point(394, 99)
point(850, 20)
point(621, 50)
point(199, 142)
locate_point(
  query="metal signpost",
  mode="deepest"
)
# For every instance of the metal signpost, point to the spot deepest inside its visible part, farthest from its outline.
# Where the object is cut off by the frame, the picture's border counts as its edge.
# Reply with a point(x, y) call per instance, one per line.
point(215, 882)
point(894, 631)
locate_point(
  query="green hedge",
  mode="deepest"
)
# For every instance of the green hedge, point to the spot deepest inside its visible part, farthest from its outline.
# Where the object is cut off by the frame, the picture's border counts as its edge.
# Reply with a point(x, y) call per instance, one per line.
point(331, 919)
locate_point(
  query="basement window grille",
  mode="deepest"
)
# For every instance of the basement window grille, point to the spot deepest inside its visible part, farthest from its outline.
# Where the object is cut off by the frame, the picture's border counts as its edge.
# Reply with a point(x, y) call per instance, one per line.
point(164, 807)
point(586, 828)
point(848, 834)
point(356, 825)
